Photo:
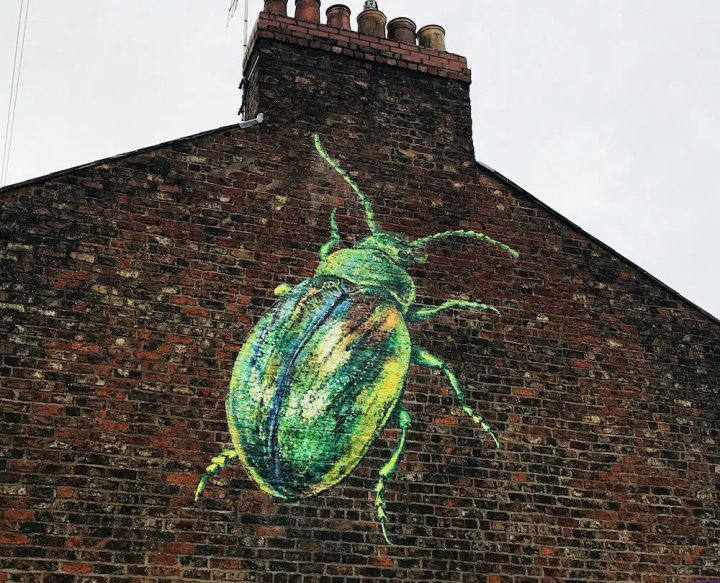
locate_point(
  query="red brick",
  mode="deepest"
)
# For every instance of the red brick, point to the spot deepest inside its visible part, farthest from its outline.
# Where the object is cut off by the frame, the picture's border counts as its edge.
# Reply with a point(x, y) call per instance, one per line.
point(48, 409)
point(179, 549)
point(77, 568)
point(183, 301)
point(18, 514)
point(189, 479)
point(161, 559)
point(65, 492)
point(382, 562)
point(14, 539)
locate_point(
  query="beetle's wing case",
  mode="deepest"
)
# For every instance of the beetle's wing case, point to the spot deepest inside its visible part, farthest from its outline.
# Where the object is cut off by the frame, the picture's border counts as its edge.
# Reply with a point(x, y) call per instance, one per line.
point(267, 352)
point(315, 384)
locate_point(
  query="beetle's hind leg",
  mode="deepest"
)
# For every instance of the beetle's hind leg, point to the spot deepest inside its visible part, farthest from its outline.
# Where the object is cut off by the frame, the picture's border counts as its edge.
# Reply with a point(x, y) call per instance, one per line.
point(217, 465)
point(390, 467)
point(422, 357)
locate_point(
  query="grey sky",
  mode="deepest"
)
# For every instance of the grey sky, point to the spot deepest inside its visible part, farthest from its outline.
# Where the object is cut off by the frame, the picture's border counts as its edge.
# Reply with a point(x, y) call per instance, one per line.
point(607, 110)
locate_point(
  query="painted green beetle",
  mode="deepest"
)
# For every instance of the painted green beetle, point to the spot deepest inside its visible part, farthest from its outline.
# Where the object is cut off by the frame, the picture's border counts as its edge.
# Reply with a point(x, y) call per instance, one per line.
point(323, 372)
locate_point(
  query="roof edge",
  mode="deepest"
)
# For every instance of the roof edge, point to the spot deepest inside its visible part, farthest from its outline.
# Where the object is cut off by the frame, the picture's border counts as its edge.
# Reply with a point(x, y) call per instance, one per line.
point(143, 150)
point(595, 240)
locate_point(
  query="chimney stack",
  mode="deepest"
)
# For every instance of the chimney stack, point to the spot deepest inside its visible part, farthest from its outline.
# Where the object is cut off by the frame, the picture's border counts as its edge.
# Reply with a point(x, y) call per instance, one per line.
point(432, 36)
point(276, 7)
point(304, 39)
point(402, 30)
point(371, 21)
point(338, 16)
point(307, 10)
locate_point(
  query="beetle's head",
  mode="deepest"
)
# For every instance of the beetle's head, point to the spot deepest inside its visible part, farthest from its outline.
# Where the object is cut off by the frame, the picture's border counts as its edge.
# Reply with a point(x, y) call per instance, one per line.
point(394, 246)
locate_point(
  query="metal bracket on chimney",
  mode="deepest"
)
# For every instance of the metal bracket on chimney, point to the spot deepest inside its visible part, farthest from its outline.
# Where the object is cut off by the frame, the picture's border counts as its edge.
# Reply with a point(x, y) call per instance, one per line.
point(252, 122)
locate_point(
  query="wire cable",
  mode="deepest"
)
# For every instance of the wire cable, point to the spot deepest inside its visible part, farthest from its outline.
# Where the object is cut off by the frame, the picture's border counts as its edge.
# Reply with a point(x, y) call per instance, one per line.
point(10, 98)
point(14, 89)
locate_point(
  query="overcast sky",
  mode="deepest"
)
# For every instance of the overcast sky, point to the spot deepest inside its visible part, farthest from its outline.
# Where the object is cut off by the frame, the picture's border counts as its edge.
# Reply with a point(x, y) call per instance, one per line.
point(606, 110)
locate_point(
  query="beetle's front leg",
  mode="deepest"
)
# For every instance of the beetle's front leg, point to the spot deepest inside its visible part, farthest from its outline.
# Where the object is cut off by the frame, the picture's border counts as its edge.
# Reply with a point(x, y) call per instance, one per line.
point(390, 467)
point(217, 464)
point(283, 289)
point(422, 357)
point(420, 314)
point(328, 247)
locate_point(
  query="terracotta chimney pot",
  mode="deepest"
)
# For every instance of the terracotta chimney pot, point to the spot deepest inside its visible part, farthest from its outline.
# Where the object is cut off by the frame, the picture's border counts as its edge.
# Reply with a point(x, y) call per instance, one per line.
point(338, 15)
point(307, 10)
point(432, 36)
point(402, 30)
point(276, 7)
point(372, 22)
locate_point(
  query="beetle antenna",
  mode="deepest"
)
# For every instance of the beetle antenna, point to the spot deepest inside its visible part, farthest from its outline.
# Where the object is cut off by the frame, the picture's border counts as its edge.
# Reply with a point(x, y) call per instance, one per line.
point(369, 215)
point(328, 247)
point(464, 235)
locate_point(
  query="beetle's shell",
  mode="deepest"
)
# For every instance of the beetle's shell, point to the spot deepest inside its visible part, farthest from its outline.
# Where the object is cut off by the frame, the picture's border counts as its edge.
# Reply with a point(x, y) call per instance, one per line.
point(314, 385)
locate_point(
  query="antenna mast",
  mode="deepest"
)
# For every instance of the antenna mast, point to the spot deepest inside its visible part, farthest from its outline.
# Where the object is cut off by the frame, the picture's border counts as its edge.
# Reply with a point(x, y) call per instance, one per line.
point(245, 33)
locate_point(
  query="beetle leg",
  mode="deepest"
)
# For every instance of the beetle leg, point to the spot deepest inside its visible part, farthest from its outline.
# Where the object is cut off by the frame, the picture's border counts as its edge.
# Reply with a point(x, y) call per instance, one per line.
point(419, 314)
point(327, 248)
point(283, 289)
point(422, 357)
point(390, 467)
point(217, 464)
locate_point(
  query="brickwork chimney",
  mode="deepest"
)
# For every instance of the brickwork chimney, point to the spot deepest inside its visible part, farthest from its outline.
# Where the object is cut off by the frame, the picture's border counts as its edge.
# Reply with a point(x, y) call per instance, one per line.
point(398, 95)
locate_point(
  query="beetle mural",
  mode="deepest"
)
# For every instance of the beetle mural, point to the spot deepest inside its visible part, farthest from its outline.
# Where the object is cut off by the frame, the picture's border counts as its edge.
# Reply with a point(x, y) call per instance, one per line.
point(324, 370)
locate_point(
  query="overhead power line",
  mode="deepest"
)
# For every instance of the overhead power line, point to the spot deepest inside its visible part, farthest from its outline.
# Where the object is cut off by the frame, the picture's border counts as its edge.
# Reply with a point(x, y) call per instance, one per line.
point(14, 88)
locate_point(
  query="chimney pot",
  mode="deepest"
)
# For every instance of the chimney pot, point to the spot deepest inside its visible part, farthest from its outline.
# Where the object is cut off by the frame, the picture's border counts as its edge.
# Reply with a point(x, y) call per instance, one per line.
point(338, 15)
point(372, 22)
point(307, 10)
point(402, 30)
point(276, 7)
point(432, 36)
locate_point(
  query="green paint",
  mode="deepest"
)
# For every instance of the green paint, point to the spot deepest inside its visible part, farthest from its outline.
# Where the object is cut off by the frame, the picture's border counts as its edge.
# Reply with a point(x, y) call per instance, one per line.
point(324, 370)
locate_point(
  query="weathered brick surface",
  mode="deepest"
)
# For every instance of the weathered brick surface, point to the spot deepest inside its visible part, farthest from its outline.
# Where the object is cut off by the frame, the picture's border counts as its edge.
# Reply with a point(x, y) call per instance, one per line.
point(127, 287)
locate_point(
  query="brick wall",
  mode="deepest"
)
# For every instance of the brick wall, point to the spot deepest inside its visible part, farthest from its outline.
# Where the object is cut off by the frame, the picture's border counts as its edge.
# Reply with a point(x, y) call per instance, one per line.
point(128, 286)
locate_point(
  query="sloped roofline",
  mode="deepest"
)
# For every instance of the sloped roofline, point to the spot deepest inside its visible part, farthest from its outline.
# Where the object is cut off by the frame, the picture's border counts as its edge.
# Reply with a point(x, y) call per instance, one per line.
point(494, 173)
point(73, 169)
point(594, 239)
